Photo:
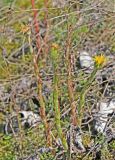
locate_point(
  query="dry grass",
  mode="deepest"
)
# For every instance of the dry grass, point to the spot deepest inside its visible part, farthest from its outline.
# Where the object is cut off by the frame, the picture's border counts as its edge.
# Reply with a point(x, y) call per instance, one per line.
point(29, 68)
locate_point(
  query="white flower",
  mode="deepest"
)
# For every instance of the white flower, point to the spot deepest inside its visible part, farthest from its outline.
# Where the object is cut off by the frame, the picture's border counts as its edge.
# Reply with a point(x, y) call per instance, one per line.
point(29, 117)
point(106, 108)
point(86, 61)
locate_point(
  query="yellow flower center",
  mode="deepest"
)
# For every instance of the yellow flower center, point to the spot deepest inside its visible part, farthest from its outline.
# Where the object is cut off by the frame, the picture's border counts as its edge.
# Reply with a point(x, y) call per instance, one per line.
point(100, 60)
point(55, 46)
point(25, 28)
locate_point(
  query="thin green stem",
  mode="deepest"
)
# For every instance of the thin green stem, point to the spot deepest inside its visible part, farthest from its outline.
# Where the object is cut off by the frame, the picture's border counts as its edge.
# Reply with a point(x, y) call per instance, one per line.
point(83, 94)
point(55, 58)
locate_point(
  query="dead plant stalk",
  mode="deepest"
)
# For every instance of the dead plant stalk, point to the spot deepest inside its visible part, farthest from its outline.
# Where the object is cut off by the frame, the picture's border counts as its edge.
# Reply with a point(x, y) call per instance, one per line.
point(69, 79)
point(37, 72)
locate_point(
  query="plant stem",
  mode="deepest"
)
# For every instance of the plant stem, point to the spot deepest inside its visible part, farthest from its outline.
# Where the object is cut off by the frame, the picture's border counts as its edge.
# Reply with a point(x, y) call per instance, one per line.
point(36, 25)
point(57, 112)
point(69, 79)
point(83, 94)
point(39, 80)
point(55, 99)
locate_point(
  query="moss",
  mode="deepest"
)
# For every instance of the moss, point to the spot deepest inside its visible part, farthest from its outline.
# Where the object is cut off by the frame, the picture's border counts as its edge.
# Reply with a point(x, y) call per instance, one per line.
point(7, 148)
point(9, 46)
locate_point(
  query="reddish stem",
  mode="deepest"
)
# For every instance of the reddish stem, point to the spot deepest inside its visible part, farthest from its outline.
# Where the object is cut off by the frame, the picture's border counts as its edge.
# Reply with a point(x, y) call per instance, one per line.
point(39, 80)
point(36, 24)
